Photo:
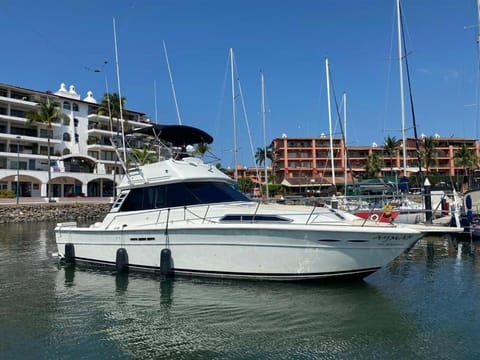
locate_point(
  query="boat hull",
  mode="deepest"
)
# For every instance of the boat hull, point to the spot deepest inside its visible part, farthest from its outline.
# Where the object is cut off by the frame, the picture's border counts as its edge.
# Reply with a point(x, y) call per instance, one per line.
point(247, 251)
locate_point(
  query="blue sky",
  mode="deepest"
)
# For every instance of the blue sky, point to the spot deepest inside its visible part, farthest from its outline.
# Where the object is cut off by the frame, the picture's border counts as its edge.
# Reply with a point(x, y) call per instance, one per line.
point(48, 42)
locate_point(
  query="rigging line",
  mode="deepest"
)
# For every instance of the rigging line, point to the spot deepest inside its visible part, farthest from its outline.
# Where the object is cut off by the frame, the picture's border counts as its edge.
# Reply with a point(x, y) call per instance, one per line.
point(171, 84)
point(247, 124)
point(217, 125)
point(242, 100)
point(417, 146)
point(389, 68)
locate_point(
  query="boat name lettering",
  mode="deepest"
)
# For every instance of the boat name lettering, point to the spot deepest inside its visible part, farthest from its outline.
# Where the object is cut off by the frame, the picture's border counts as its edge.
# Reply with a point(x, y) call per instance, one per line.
point(142, 239)
point(392, 237)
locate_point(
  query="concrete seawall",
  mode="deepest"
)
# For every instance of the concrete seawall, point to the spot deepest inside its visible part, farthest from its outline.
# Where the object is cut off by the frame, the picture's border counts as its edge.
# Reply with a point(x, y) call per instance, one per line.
point(53, 212)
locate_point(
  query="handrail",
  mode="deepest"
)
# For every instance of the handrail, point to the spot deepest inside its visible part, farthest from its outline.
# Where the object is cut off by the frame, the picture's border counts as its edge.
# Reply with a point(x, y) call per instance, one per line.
point(204, 217)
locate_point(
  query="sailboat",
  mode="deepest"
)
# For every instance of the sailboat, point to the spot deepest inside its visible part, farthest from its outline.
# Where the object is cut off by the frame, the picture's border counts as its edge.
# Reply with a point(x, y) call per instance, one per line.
point(401, 209)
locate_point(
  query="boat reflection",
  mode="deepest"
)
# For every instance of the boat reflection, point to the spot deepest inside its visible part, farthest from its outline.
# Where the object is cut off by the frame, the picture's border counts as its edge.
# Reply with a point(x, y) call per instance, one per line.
point(149, 316)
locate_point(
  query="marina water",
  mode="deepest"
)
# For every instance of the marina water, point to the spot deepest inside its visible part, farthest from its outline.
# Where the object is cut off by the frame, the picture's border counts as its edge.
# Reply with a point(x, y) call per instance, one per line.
point(424, 305)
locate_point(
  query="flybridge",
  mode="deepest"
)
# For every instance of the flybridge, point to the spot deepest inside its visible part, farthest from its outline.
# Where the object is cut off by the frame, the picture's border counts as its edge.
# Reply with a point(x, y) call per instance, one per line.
point(169, 141)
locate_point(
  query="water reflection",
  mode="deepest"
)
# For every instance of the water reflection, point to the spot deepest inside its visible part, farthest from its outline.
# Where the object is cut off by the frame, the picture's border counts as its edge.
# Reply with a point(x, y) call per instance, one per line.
point(147, 316)
point(414, 308)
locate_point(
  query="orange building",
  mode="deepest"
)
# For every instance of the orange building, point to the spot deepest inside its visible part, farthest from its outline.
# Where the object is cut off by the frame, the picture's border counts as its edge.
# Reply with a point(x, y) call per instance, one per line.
point(309, 158)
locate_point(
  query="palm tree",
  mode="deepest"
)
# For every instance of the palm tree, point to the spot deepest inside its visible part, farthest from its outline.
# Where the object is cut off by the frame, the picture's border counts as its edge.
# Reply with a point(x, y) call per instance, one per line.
point(48, 113)
point(260, 155)
point(390, 148)
point(429, 152)
point(114, 107)
point(466, 157)
point(145, 155)
point(373, 165)
point(110, 106)
point(201, 149)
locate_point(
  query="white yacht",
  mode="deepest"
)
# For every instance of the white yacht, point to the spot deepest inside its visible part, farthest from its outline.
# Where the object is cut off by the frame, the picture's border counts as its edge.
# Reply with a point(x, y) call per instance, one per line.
point(183, 216)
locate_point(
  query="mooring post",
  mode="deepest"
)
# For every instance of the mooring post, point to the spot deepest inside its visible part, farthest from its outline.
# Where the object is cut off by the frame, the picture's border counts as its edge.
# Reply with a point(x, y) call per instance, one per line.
point(428, 201)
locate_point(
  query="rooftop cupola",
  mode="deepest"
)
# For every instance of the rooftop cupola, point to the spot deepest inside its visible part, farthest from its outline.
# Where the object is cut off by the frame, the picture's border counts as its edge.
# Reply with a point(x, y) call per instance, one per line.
point(90, 97)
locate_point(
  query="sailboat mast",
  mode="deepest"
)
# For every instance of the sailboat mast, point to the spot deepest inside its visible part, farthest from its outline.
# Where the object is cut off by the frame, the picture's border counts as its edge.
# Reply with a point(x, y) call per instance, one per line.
point(402, 96)
point(155, 100)
point(119, 94)
point(264, 136)
point(345, 140)
point(477, 95)
point(327, 70)
point(234, 116)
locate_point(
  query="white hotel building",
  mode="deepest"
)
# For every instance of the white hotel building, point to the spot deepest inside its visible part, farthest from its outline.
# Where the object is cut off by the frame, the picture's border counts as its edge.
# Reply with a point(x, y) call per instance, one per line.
point(82, 156)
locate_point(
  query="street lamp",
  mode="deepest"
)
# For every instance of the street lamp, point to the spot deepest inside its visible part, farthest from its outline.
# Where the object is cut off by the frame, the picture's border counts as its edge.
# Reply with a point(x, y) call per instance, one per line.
point(18, 169)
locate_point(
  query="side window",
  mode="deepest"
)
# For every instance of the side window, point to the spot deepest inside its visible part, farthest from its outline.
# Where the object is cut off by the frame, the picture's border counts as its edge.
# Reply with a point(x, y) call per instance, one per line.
point(67, 105)
point(160, 201)
point(75, 107)
point(179, 195)
point(139, 199)
point(133, 201)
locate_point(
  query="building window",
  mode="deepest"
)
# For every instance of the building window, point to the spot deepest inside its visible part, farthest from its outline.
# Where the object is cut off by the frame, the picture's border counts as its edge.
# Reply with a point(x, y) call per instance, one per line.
point(93, 154)
point(17, 113)
point(75, 122)
point(76, 138)
point(66, 105)
point(66, 136)
point(45, 133)
point(75, 106)
point(66, 151)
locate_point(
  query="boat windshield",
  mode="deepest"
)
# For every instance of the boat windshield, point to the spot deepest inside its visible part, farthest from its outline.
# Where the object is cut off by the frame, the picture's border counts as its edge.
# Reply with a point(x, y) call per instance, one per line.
point(180, 194)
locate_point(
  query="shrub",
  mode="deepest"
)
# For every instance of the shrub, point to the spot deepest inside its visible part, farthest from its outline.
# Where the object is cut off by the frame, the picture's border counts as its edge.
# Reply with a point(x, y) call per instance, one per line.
point(7, 194)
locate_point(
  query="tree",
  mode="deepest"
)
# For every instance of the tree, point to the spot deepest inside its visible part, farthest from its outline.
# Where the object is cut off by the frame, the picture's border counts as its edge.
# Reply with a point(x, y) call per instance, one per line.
point(201, 149)
point(260, 155)
point(145, 155)
point(465, 157)
point(114, 107)
point(245, 185)
point(48, 112)
point(373, 165)
point(429, 152)
point(390, 148)
point(110, 106)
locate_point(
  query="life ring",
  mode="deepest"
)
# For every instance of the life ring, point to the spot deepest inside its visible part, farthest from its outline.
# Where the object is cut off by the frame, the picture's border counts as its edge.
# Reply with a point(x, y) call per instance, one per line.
point(387, 210)
point(374, 217)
